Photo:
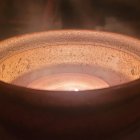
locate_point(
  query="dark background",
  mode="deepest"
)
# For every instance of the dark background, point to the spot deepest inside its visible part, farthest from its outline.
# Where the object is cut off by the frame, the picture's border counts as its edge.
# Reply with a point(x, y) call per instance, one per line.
point(26, 16)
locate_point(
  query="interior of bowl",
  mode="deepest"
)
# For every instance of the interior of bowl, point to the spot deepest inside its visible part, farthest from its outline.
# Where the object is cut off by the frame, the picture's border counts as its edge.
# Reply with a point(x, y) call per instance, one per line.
point(110, 59)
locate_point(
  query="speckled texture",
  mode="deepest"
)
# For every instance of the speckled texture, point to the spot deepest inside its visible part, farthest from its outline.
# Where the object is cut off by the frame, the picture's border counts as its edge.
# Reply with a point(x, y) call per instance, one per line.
point(31, 52)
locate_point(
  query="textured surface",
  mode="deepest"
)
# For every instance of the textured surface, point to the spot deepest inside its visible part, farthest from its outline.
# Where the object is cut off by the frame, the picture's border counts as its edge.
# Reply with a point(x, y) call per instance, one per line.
point(26, 114)
point(110, 52)
point(111, 113)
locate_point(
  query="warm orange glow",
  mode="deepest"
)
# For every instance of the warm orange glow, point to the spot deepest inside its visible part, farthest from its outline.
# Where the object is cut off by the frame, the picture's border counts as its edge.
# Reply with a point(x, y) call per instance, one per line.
point(68, 82)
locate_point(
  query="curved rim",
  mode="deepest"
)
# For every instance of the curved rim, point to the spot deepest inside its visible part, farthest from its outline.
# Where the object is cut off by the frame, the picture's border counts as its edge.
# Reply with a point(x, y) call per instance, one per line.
point(21, 36)
point(71, 98)
point(95, 99)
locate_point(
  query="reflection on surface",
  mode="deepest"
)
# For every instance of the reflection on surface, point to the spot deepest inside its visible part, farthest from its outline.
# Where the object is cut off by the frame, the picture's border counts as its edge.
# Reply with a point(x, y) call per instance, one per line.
point(68, 82)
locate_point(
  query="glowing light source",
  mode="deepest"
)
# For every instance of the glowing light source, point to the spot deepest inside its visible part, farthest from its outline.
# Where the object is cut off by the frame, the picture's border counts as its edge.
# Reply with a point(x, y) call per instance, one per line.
point(68, 82)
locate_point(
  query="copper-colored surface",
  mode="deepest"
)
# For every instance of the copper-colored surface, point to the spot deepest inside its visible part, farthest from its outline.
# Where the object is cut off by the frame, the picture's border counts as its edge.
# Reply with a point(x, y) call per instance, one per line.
point(68, 82)
point(110, 113)
point(110, 52)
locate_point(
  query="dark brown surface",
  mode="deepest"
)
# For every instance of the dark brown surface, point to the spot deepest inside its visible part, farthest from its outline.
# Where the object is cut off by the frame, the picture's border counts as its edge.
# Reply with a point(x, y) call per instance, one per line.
point(111, 113)
point(28, 114)
point(19, 17)
point(106, 114)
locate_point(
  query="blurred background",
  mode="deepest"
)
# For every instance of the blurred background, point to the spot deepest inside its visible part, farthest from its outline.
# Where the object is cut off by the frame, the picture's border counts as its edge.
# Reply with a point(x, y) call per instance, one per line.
point(25, 16)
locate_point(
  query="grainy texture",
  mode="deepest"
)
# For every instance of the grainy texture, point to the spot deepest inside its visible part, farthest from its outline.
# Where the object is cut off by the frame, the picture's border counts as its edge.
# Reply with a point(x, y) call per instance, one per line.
point(111, 113)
